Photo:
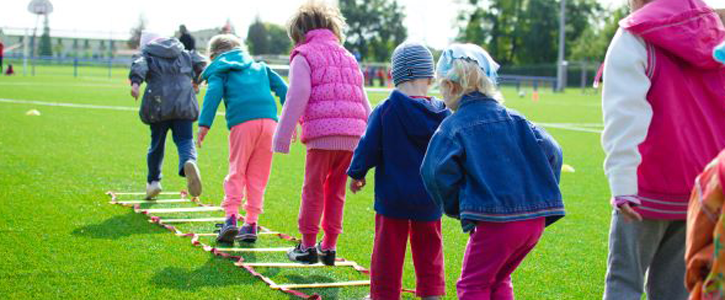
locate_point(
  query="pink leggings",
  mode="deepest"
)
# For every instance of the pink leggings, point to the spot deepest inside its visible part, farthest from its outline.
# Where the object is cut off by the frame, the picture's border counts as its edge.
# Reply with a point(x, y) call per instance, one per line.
point(250, 162)
point(494, 251)
point(323, 196)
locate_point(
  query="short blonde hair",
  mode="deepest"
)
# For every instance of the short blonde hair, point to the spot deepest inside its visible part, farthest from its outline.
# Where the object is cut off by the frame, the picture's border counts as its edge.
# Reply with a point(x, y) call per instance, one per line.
point(465, 77)
point(315, 15)
point(223, 43)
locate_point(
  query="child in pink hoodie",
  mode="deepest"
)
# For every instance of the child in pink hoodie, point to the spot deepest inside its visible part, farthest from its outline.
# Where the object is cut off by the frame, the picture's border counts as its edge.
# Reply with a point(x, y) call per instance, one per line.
point(663, 122)
point(326, 96)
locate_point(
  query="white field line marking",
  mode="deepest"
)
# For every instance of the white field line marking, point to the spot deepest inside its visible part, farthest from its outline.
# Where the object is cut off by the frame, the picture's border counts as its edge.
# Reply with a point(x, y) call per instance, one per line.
point(76, 105)
point(565, 126)
point(569, 127)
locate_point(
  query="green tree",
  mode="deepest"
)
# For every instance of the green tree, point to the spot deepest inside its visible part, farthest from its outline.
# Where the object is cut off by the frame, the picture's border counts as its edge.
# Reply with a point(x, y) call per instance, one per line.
point(375, 27)
point(135, 40)
point(523, 31)
point(267, 38)
point(592, 44)
point(258, 38)
point(279, 42)
point(45, 48)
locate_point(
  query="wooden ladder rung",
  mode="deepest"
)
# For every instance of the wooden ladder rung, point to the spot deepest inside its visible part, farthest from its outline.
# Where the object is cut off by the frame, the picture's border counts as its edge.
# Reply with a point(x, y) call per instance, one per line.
point(142, 193)
point(295, 265)
point(320, 285)
point(201, 220)
point(150, 201)
point(282, 249)
point(179, 210)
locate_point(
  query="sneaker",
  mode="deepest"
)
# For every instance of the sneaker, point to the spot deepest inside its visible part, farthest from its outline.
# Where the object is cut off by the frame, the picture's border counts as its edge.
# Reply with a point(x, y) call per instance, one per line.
point(153, 189)
point(193, 178)
point(327, 257)
point(248, 233)
point(228, 230)
point(308, 256)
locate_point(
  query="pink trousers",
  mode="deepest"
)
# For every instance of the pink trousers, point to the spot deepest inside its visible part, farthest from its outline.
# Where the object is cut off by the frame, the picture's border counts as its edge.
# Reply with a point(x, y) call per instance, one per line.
point(323, 195)
point(494, 251)
point(391, 240)
point(250, 162)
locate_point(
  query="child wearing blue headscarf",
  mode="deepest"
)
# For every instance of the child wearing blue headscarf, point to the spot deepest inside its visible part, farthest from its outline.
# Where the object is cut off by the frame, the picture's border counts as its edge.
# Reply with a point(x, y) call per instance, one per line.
point(493, 170)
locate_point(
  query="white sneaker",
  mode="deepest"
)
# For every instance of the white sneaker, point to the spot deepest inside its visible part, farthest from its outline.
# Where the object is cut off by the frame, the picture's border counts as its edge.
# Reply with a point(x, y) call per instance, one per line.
point(153, 189)
point(193, 178)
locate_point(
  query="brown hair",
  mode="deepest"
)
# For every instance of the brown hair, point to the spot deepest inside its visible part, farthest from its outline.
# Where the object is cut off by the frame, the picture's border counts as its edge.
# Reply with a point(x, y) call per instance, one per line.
point(222, 43)
point(315, 15)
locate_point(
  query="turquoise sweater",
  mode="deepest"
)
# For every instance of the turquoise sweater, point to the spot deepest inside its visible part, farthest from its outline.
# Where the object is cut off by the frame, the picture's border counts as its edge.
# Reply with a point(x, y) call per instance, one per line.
point(245, 87)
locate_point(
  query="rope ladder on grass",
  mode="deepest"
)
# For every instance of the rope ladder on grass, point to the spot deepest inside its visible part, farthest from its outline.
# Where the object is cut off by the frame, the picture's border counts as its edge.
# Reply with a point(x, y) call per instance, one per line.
point(155, 216)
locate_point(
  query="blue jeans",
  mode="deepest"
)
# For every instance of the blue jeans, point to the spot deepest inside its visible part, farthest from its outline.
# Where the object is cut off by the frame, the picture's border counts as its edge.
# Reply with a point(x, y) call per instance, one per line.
point(182, 132)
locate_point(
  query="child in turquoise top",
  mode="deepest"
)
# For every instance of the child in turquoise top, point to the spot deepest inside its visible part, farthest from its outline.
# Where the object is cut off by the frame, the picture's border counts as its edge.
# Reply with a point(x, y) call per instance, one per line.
point(251, 113)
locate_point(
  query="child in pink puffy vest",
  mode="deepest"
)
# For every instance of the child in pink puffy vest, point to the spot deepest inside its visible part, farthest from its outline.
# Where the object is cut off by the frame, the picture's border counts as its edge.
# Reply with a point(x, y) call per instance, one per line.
point(326, 97)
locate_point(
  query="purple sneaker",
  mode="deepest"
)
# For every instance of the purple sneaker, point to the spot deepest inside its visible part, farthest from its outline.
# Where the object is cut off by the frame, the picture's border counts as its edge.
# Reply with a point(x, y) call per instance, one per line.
point(248, 233)
point(228, 230)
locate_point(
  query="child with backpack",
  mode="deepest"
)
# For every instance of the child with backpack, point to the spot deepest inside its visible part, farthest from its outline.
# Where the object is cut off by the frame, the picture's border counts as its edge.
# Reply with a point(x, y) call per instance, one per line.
point(326, 96)
point(168, 103)
point(493, 170)
point(394, 143)
point(245, 87)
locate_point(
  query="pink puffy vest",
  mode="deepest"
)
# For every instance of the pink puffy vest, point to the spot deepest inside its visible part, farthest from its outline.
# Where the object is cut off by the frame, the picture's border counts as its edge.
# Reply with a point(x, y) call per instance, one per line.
point(336, 102)
point(687, 96)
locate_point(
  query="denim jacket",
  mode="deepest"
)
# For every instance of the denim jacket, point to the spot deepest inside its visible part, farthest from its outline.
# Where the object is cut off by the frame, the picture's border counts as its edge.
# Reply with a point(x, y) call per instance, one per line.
point(488, 163)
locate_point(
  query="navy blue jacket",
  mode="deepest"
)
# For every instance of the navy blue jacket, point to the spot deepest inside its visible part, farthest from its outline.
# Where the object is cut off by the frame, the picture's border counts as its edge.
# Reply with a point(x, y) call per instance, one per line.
point(488, 163)
point(394, 143)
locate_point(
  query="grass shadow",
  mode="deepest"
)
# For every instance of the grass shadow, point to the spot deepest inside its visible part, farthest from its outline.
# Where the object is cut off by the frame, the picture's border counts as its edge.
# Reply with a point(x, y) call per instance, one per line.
point(118, 227)
point(214, 273)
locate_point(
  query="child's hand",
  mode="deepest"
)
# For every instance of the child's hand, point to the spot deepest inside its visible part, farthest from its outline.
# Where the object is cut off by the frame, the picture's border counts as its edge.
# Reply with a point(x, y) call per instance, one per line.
point(134, 91)
point(356, 185)
point(203, 130)
point(629, 213)
point(196, 87)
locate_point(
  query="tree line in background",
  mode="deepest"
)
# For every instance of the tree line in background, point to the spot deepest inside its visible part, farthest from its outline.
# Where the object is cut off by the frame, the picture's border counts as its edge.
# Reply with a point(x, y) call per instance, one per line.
point(525, 32)
point(515, 32)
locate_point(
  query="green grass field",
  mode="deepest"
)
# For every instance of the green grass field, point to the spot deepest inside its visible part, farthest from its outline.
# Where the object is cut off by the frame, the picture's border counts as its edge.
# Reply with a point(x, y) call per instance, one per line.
point(61, 239)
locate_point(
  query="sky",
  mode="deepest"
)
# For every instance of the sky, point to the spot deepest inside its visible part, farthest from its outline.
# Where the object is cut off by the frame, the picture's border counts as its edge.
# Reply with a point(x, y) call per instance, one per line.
point(429, 21)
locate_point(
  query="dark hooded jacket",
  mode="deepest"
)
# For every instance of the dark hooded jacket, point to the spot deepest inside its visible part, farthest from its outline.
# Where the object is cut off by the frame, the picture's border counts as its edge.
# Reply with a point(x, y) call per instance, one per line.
point(168, 71)
point(394, 143)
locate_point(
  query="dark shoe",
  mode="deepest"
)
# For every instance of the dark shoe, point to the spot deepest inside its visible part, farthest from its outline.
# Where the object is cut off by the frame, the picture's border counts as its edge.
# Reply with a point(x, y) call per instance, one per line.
point(327, 257)
point(193, 178)
point(228, 230)
point(308, 256)
point(248, 233)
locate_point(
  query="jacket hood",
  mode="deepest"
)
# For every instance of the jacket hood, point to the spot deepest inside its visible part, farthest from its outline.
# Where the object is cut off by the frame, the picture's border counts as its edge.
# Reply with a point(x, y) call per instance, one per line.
point(164, 47)
point(231, 60)
point(420, 118)
point(689, 29)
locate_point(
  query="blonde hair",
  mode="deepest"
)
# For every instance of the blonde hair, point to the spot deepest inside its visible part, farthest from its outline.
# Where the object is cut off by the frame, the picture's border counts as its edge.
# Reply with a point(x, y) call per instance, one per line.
point(465, 77)
point(223, 43)
point(315, 15)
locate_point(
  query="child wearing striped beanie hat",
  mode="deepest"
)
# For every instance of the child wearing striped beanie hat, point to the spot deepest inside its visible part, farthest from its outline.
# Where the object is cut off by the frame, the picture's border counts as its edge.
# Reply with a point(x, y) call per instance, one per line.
point(394, 143)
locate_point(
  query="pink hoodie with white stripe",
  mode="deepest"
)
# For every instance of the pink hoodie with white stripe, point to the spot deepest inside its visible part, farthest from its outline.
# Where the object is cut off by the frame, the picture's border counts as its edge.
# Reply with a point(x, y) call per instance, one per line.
point(663, 104)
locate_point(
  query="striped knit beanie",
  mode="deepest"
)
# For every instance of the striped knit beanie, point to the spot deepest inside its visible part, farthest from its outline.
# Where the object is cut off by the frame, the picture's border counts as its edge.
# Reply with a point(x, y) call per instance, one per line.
point(411, 61)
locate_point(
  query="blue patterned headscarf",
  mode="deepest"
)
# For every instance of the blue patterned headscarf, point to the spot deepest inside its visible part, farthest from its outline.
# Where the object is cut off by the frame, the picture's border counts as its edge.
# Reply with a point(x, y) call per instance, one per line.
point(719, 53)
point(469, 52)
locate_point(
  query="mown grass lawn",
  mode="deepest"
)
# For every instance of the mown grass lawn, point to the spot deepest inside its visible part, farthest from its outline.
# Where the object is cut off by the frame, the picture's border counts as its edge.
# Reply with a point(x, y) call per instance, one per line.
point(61, 239)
